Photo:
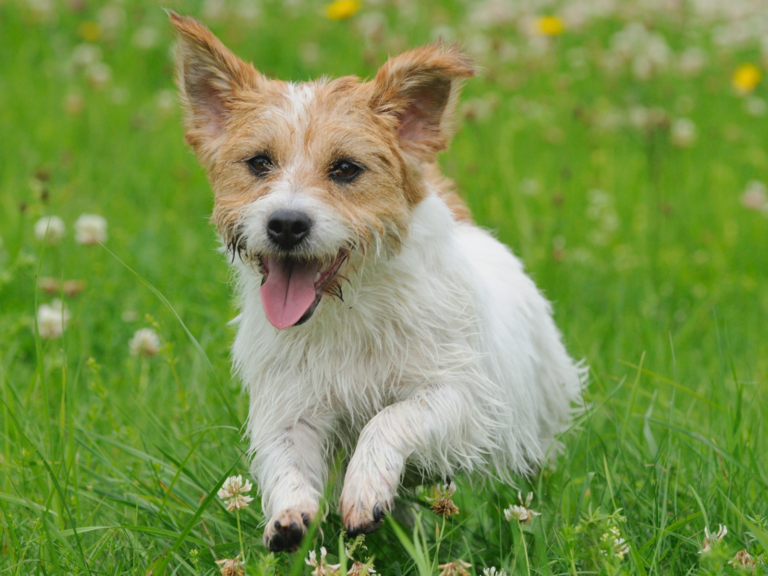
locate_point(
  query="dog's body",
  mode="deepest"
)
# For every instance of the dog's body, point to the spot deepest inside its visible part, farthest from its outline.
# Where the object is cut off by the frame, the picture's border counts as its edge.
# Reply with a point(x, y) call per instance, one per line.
point(374, 313)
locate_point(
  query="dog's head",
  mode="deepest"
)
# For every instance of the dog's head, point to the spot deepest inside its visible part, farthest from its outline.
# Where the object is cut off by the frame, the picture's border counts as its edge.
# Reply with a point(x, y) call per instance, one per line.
point(306, 175)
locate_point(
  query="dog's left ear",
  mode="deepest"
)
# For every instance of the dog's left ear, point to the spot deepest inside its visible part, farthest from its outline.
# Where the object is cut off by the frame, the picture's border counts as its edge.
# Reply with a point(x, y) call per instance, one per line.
point(420, 89)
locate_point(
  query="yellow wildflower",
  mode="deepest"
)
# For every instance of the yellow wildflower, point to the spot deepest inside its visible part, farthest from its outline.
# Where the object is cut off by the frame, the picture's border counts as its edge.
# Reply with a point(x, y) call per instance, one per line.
point(342, 9)
point(746, 78)
point(89, 31)
point(550, 26)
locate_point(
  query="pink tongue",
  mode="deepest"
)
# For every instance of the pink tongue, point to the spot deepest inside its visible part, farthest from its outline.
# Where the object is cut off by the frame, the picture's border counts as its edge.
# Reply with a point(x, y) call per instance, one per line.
point(289, 290)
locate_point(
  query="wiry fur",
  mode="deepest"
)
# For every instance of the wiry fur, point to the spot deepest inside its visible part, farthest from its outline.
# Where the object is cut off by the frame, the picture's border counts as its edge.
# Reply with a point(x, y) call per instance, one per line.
point(438, 351)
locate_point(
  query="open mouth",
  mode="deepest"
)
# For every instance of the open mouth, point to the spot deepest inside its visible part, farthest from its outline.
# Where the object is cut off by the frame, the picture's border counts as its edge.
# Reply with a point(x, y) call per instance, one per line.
point(292, 287)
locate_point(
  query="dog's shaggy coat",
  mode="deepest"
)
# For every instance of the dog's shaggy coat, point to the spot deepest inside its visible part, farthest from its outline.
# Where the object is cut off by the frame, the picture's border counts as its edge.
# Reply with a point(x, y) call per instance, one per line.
point(393, 325)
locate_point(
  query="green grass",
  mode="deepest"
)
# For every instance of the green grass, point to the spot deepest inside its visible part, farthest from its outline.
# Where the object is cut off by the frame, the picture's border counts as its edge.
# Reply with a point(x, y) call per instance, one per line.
point(109, 463)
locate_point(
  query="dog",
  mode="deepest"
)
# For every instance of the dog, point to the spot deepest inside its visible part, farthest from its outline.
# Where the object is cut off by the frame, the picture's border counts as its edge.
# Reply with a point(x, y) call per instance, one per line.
point(375, 316)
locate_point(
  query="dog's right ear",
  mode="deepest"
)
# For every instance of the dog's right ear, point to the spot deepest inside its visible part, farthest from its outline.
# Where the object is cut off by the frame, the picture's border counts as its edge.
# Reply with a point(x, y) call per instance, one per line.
point(210, 78)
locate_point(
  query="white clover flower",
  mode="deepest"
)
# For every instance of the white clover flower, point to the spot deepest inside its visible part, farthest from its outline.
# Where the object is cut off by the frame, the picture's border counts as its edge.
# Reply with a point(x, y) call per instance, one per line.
point(321, 568)
point(231, 567)
point(99, 74)
point(50, 229)
point(521, 513)
point(442, 504)
point(86, 54)
point(52, 320)
point(234, 489)
point(743, 560)
point(360, 569)
point(111, 17)
point(146, 38)
point(455, 568)
point(493, 572)
point(90, 229)
point(754, 196)
point(145, 342)
point(683, 132)
point(247, 10)
point(692, 61)
point(238, 502)
point(712, 539)
point(755, 106)
point(214, 9)
point(166, 101)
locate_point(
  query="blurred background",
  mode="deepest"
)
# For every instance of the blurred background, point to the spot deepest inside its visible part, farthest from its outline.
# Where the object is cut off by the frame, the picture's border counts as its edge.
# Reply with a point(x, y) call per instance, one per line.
point(618, 146)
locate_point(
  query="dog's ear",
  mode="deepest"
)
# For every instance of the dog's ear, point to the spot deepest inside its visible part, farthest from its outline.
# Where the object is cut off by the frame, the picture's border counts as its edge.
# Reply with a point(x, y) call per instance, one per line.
point(420, 89)
point(209, 77)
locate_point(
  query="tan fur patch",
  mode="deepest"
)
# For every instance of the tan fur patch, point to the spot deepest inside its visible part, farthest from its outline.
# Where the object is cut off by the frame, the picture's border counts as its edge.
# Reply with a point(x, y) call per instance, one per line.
point(446, 188)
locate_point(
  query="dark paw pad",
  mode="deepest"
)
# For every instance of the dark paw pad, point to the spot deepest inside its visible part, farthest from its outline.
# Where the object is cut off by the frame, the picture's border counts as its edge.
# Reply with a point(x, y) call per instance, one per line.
point(370, 526)
point(285, 537)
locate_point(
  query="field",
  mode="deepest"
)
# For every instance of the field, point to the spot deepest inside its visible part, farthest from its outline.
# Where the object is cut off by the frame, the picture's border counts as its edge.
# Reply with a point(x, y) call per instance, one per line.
point(620, 148)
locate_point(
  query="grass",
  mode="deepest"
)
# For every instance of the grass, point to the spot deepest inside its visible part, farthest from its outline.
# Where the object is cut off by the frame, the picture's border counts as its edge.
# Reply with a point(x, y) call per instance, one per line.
point(109, 463)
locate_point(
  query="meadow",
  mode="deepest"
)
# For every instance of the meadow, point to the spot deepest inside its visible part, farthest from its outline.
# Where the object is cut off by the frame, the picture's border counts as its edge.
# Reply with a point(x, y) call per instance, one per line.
point(619, 147)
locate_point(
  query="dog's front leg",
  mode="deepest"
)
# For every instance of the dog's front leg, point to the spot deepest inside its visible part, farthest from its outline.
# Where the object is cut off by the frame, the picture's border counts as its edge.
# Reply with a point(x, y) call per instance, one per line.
point(291, 469)
point(424, 425)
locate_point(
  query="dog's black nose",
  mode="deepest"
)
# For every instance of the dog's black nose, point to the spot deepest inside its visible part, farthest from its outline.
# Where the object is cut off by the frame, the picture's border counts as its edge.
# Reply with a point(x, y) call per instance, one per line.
point(287, 228)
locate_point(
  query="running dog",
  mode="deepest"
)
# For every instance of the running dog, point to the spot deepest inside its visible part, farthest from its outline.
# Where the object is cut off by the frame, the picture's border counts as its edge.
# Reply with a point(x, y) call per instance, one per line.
point(374, 314)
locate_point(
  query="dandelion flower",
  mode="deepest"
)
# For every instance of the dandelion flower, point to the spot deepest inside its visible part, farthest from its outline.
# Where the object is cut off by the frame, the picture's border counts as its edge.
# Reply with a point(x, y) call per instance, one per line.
point(521, 513)
point(455, 568)
point(342, 9)
point(493, 572)
point(90, 229)
point(442, 503)
point(550, 26)
point(145, 342)
point(231, 567)
point(50, 229)
point(320, 567)
point(712, 539)
point(742, 560)
point(746, 78)
point(89, 31)
point(235, 489)
point(754, 196)
point(52, 320)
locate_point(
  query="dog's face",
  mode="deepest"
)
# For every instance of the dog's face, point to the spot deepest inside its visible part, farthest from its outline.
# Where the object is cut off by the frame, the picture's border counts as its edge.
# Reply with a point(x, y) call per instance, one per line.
point(305, 175)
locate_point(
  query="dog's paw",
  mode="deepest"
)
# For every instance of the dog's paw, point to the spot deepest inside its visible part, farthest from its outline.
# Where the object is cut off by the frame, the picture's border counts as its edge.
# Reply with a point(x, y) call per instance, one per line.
point(285, 530)
point(364, 504)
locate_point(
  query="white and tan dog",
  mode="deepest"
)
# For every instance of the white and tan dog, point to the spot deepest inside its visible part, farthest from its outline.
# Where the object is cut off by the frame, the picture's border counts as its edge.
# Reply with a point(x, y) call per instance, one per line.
point(374, 314)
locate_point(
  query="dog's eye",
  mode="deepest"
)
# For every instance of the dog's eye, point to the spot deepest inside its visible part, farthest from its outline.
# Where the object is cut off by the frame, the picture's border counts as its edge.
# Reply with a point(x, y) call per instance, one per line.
point(260, 165)
point(345, 171)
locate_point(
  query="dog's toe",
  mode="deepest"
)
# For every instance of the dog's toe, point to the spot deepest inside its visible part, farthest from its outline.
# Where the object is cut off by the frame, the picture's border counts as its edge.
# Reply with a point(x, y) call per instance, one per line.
point(358, 522)
point(286, 530)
